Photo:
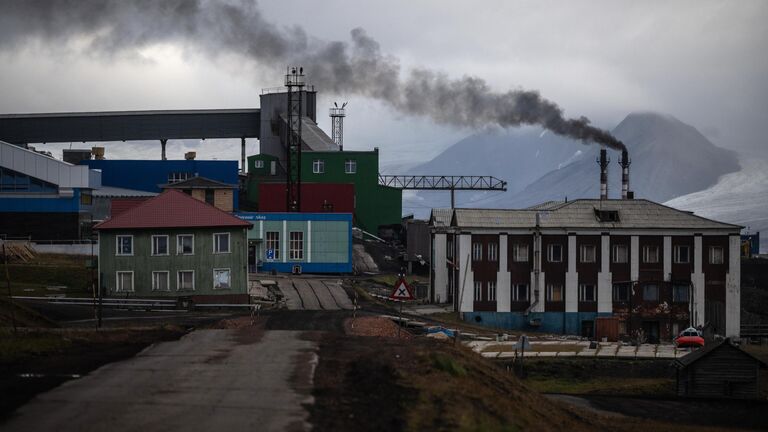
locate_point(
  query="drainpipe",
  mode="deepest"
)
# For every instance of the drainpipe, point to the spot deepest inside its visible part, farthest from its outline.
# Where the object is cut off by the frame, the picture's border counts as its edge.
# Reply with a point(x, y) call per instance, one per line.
point(536, 264)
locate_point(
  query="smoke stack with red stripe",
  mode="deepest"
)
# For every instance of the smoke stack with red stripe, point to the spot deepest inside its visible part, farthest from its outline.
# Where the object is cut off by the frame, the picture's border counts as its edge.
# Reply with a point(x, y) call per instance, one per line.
point(624, 162)
point(603, 162)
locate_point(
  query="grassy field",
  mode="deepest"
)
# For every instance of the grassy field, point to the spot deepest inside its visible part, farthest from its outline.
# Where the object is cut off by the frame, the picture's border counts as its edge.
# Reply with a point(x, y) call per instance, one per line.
point(49, 274)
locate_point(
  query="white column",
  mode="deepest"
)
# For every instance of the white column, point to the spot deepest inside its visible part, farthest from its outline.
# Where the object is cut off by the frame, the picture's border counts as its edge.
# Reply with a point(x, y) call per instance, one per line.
point(634, 262)
point(697, 282)
point(466, 288)
point(733, 288)
point(503, 288)
point(284, 242)
point(261, 230)
point(604, 277)
point(441, 270)
point(309, 241)
point(667, 258)
point(571, 278)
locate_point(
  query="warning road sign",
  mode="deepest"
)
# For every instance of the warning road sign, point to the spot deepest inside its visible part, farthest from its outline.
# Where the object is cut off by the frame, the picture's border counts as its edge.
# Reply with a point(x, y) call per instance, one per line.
point(402, 291)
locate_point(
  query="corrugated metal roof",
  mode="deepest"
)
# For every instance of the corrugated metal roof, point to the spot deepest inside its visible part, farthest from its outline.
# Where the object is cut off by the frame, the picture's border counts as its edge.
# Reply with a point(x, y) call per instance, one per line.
point(441, 217)
point(172, 209)
point(547, 205)
point(633, 214)
point(116, 192)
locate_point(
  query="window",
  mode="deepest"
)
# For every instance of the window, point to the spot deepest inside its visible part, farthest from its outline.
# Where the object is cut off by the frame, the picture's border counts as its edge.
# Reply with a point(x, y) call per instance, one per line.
point(477, 251)
point(258, 164)
point(478, 291)
point(554, 292)
point(318, 166)
point(555, 253)
point(449, 248)
point(124, 281)
point(607, 215)
point(493, 252)
point(651, 293)
point(159, 245)
point(221, 279)
point(185, 244)
point(185, 280)
point(124, 245)
point(587, 293)
point(492, 291)
point(13, 181)
point(210, 195)
point(680, 293)
point(587, 253)
point(221, 243)
point(160, 281)
point(621, 292)
point(650, 254)
point(176, 177)
point(296, 245)
point(682, 254)
point(86, 198)
point(273, 244)
point(350, 166)
point(620, 254)
point(520, 252)
point(520, 292)
point(715, 255)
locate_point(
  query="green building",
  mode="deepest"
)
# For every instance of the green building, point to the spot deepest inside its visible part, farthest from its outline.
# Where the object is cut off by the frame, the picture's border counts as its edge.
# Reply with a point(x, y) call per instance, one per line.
point(173, 245)
point(374, 205)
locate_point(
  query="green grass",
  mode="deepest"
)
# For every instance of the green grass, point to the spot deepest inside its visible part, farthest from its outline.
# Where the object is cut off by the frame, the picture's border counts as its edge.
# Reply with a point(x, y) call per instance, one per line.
point(14, 347)
point(448, 364)
point(602, 385)
point(33, 277)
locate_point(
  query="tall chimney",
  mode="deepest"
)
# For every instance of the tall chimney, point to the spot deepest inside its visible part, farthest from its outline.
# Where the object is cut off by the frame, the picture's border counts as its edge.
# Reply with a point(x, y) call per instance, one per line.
point(603, 161)
point(624, 162)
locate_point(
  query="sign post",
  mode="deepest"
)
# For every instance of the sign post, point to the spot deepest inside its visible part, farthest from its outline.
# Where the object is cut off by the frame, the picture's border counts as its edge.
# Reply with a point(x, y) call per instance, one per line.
point(522, 345)
point(401, 293)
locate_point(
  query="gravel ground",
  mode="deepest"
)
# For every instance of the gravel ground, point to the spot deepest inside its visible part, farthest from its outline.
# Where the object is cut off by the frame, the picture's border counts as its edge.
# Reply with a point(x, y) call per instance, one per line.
point(374, 326)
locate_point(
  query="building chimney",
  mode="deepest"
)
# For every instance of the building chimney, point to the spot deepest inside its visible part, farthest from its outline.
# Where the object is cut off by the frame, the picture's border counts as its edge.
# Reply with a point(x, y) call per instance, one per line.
point(624, 162)
point(603, 162)
point(190, 155)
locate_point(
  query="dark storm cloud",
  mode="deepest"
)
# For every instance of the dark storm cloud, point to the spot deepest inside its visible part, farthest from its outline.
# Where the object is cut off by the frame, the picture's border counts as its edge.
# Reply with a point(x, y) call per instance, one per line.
point(118, 27)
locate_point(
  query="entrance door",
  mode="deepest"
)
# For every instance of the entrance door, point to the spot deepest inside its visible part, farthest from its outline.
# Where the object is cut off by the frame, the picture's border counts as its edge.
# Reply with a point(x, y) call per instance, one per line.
point(253, 257)
point(588, 329)
point(651, 330)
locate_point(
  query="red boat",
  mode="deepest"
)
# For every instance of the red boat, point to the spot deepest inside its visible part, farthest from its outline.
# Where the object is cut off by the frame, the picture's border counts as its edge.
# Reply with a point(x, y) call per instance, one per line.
point(690, 338)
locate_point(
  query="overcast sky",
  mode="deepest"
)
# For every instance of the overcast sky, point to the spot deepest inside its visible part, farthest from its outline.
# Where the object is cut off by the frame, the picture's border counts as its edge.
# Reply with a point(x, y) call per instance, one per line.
point(704, 62)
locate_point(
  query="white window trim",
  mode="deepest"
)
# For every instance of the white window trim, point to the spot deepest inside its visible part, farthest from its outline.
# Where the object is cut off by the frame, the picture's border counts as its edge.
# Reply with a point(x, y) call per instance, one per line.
point(614, 253)
point(179, 249)
point(491, 290)
point(478, 291)
point(350, 163)
point(117, 245)
point(583, 252)
point(550, 252)
point(712, 255)
point(258, 163)
point(583, 293)
point(178, 276)
point(167, 245)
point(477, 247)
point(516, 256)
point(515, 292)
point(677, 254)
point(550, 291)
point(318, 166)
point(229, 243)
point(117, 281)
point(267, 241)
point(493, 252)
point(167, 280)
point(647, 253)
point(290, 247)
point(230, 278)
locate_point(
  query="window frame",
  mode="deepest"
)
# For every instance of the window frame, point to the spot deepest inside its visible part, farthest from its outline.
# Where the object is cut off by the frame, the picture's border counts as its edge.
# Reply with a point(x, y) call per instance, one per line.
point(167, 245)
point(180, 250)
point(647, 252)
point(646, 290)
point(583, 252)
point(118, 284)
point(209, 193)
point(614, 253)
point(616, 287)
point(515, 294)
point(318, 166)
point(478, 291)
point(712, 250)
point(676, 254)
point(216, 243)
point(550, 291)
point(117, 244)
point(477, 251)
point(229, 278)
point(167, 280)
point(583, 292)
point(676, 298)
point(267, 242)
point(516, 255)
point(258, 164)
point(491, 290)
point(350, 166)
point(493, 252)
point(291, 250)
point(550, 252)
point(178, 280)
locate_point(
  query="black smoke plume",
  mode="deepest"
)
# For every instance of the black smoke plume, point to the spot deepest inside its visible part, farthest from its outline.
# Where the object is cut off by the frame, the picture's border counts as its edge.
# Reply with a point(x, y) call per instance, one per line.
point(237, 27)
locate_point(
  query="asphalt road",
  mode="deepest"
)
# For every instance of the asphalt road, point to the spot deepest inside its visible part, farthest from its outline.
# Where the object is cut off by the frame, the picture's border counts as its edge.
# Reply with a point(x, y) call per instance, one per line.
point(210, 380)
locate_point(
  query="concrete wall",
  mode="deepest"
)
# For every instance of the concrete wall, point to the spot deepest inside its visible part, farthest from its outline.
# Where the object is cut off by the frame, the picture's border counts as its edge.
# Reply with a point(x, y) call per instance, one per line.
point(70, 249)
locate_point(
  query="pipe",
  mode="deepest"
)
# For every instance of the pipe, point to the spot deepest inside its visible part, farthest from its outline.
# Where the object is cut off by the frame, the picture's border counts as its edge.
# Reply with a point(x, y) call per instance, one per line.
point(624, 162)
point(603, 162)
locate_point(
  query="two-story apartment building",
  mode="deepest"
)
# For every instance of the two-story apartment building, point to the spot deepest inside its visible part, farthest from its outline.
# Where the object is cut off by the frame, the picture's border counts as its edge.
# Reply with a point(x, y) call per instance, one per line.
point(559, 266)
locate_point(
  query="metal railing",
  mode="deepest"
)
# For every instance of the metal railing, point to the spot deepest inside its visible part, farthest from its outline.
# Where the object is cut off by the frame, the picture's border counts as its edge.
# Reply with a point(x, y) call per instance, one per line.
point(437, 182)
point(754, 330)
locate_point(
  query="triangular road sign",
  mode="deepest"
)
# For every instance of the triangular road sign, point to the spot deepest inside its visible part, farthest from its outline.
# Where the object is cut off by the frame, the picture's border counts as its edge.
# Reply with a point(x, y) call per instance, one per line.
point(402, 291)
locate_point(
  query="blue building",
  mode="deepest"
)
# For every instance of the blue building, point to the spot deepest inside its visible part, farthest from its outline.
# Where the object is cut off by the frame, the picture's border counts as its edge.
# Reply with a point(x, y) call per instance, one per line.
point(43, 198)
point(299, 242)
point(149, 175)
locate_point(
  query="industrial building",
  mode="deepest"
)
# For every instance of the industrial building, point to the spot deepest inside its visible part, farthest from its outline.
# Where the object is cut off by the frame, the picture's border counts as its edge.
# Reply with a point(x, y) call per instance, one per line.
point(299, 242)
point(558, 266)
point(43, 198)
point(174, 245)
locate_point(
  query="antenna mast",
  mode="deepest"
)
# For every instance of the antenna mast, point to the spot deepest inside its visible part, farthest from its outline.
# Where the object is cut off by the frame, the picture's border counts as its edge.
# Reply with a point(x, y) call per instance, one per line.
point(337, 124)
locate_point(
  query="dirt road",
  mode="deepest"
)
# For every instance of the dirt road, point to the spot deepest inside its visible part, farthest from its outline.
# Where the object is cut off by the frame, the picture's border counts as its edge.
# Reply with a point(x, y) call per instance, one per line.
point(233, 380)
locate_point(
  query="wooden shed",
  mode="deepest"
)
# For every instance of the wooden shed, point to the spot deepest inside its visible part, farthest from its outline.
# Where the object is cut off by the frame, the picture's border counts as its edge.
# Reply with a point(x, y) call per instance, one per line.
point(720, 370)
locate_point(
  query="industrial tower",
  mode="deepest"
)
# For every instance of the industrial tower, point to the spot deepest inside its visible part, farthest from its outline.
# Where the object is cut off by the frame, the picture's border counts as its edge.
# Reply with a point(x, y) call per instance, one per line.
point(337, 124)
point(294, 81)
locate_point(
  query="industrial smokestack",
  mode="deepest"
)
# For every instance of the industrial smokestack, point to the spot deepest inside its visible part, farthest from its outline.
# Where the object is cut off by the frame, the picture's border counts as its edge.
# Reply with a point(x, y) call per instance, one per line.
point(624, 162)
point(603, 162)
